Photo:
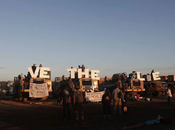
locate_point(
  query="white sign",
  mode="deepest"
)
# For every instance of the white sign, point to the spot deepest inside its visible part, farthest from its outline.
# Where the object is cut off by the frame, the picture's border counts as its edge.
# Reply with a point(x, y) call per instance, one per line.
point(94, 96)
point(136, 75)
point(156, 76)
point(38, 90)
point(94, 73)
point(43, 72)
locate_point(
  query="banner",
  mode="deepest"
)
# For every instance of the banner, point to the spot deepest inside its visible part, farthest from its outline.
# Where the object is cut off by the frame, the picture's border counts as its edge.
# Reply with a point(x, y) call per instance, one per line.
point(38, 90)
point(94, 96)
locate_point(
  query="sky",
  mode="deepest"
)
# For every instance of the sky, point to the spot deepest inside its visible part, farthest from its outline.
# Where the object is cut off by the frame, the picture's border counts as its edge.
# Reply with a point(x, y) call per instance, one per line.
point(112, 36)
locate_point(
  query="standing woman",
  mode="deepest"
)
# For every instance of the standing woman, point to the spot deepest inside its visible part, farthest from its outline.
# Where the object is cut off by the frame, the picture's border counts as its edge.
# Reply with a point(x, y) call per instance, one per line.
point(106, 101)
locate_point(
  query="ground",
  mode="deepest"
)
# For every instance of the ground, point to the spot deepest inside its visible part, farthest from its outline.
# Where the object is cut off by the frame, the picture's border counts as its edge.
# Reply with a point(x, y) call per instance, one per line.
point(36, 115)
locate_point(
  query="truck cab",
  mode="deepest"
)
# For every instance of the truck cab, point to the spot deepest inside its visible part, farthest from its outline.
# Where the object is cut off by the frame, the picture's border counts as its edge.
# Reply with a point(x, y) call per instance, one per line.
point(156, 88)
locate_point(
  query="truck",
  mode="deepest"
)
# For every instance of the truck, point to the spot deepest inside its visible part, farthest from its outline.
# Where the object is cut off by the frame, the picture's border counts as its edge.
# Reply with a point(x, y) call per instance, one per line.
point(155, 87)
point(22, 87)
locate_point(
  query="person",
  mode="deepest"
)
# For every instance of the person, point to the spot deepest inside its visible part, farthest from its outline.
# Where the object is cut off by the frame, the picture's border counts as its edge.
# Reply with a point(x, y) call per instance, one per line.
point(66, 102)
point(78, 104)
point(39, 70)
point(152, 75)
point(34, 68)
point(152, 71)
point(117, 94)
point(106, 101)
point(168, 91)
point(83, 68)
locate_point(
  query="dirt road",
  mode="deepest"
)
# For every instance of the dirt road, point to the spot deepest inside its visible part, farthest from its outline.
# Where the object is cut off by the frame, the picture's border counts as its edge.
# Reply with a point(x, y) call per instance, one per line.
point(36, 115)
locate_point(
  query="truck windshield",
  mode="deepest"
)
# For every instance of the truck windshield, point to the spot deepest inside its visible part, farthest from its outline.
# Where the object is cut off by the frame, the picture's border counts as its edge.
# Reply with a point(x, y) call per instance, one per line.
point(136, 83)
point(86, 82)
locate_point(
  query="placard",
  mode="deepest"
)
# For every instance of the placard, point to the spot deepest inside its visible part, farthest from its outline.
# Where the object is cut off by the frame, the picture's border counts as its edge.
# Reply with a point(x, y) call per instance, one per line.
point(94, 96)
point(38, 90)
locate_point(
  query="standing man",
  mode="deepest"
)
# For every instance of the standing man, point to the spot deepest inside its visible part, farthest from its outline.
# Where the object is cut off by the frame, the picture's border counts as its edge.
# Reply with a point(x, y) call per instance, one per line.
point(39, 70)
point(117, 101)
point(34, 68)
point(169, 95)
point(78, 104)
point(106, 101)
point(66, 102)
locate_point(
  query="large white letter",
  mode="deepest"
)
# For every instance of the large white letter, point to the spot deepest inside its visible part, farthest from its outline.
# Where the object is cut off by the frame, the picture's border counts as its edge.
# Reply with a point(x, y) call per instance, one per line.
point(94, 74)
point(44, 72)
point(86, 73)
point(138, 77)
point(156, 76)
point(33, 75)
point(72, 71)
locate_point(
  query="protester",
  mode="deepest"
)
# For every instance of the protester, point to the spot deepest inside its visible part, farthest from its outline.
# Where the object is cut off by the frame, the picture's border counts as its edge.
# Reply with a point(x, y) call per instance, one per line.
point(34, 68)
point(152, 75)
point(78, 104)
point(169, 95)
point(117, 102)
point(106, 101)
point(66, 102)
point(39, 70)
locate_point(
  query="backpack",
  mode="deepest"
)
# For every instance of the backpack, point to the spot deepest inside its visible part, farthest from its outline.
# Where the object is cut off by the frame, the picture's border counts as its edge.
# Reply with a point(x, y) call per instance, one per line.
point(79, 97)
point(107, 98)
point(119, 94)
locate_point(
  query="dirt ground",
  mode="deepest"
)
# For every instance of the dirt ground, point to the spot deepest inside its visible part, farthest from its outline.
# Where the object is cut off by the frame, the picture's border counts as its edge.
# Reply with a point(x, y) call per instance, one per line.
point(37, 115)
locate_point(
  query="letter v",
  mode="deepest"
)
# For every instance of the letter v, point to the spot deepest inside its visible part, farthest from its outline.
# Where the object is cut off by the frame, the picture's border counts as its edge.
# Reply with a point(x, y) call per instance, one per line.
point(33, 75)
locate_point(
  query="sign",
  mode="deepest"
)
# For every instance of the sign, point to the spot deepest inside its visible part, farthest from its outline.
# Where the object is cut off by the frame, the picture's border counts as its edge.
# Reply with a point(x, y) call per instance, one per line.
point(42, 71)
point(94, 96)
point(136, 75)
point(38, 90)
point(156, 76)
point(94, 73)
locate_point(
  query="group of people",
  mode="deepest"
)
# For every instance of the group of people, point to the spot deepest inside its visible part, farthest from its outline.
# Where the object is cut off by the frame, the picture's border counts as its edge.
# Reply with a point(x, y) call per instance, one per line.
point(75, 98)
point(118, 99)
